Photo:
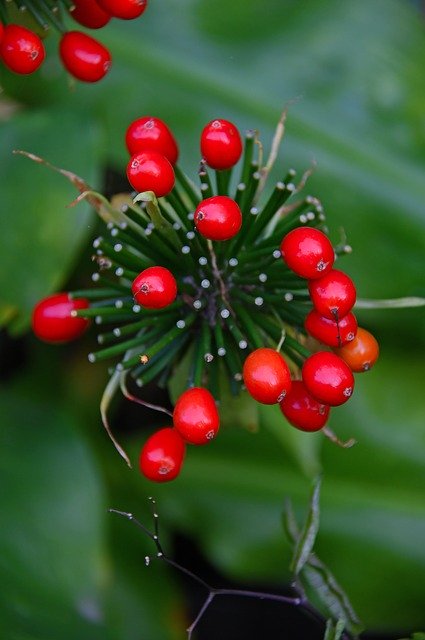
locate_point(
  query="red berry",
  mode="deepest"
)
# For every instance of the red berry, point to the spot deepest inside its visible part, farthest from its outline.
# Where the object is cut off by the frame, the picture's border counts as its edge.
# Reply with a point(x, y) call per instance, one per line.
point(308, 252)
point(52, 320)
point(21, 50)
point(1, 30)
point(151, 134)
point(154, 288)
point(151, 171)
point(218, 218)
point(221, 144)
point(328, 378)
point(84, 57)
point(196, 417)
point(124, 9)
point(302, 410)
point(266, 376)
point(330, 332)
point(89, 14)
point(333, 295)
point(162, 455)
point(362, 353)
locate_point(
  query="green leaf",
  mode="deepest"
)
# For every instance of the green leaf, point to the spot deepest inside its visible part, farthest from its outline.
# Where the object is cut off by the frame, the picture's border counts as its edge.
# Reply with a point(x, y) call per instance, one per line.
point(306, 538)
point(327, 589)
point(334, 630)
point(324, 586)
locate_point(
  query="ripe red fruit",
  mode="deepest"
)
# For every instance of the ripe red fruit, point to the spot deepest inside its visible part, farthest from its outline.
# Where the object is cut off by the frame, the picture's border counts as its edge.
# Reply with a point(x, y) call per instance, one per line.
point(330, 332)
point(361, 353)
point(162, 455)
point(328, 378)
point(302, 410)
point(196, 417)
point(221, 144)
point(84, 57)
point(308, 252)
point(154, 288)
point(218, 218)
point(333, 295)
point(21, 50)
point(89, 14)
point(151, 134)
point(151, 171)
point(124, 9)
point(1, 30)
point(52, 320)
point(266, 376)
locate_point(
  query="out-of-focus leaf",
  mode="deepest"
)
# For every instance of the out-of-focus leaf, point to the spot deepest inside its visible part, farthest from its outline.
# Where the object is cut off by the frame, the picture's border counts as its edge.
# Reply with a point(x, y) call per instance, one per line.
point(40, 236)
point(307, 536)
point(62, 580)
point(303, 447)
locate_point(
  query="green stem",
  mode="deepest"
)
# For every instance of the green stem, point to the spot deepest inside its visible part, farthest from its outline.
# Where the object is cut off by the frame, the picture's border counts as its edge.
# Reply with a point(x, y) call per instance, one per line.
point(222, 180)
point(145, 373)
point(207, 190)
point(247, 157)
point(187, 185)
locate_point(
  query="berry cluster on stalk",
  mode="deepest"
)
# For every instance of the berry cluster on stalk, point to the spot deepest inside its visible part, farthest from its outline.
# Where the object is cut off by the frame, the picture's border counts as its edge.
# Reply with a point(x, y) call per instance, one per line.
point(239, 283)
point(24, 24)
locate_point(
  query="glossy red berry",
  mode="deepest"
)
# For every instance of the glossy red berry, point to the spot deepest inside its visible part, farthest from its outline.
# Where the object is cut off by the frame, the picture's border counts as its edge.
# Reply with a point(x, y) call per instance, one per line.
point(221, 144)
point(151, 171)
point(308, 252)
point(154, 288)
point(302, 410)
point(328, 378)
point(331, 332)
point(361, 353)
point(162, 455)
point(84, 57)
point(89, 14)
point(124, 9)
point(52, 320)
point(218, 218)
point(333, 295)
point(266, 376)
point(196, 417)
point(151, 134)
point(21, 50)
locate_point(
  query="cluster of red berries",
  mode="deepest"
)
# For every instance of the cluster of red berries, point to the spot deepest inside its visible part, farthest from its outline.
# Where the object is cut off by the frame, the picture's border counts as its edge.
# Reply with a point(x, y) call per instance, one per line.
point(215, 273)
point(22, 50)
point(195, 421)
point(327, 377)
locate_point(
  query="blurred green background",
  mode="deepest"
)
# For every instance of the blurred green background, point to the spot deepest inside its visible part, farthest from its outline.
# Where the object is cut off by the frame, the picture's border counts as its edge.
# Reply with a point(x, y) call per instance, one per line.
point(355, 74)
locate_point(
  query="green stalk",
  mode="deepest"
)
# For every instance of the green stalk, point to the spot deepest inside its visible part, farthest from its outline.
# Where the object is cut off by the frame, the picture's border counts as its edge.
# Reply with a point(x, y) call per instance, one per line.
point(278, 197)
point(46, 10)
point(218, 336)
point(187, 186)
point(248, 326)
point(101, 312)
point(222, 178)
point(145, 373)
point(207, 190)
point(247, 157)
point(122, 347)
point(170, 336)
point(122, 258)
point(94, 294)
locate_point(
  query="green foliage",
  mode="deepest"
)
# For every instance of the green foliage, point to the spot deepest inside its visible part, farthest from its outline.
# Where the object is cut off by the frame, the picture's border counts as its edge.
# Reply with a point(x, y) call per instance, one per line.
point(357, 71)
